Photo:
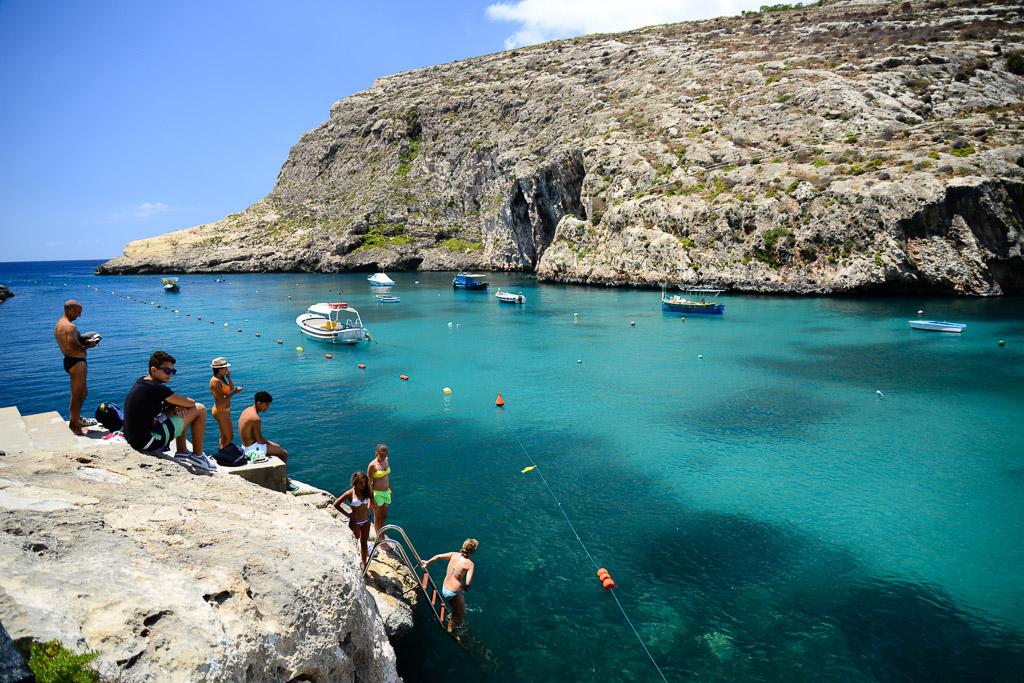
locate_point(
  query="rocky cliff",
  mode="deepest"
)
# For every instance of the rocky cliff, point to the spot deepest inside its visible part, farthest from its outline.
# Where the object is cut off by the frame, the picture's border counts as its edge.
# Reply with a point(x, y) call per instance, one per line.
point(179, 577)
point(5, 293)
point(852, 146)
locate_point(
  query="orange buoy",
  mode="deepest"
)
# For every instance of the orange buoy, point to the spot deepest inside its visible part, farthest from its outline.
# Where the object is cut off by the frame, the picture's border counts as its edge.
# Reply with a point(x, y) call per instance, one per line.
point(239, 329)
point(257, 334)
point(500, 401)
point(362, 367)
point(186, 315)
point(605, 579)
point(199, 317)
point(403, 377)
point(608, 584)
point(328, 356)
point(280, 342)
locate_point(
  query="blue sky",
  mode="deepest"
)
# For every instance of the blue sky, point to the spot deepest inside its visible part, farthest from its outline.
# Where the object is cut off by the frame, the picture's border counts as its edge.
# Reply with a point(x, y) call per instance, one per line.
point(124, 120)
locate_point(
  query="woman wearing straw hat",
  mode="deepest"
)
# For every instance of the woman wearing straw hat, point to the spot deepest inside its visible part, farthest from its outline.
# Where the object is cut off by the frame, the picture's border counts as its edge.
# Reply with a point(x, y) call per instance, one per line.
point(223, 388)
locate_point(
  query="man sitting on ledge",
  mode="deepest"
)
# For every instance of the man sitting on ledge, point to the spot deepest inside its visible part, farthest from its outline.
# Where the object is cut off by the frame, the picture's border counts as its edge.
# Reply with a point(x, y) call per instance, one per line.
point(250, 431)
point(153, 415)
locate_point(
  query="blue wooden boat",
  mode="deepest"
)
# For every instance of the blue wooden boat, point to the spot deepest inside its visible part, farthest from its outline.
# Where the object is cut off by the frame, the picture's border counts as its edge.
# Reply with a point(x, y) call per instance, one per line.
point(695, 301)
point(384, 299)
point(469, 282)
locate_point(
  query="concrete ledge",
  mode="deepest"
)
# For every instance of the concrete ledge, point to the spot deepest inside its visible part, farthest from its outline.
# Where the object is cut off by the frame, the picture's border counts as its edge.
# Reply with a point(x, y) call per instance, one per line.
point(272, 474)
point(14, 436)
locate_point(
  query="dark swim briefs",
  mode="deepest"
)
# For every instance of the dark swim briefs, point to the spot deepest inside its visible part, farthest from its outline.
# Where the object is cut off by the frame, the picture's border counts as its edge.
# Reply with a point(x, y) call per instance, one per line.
point(70, 362)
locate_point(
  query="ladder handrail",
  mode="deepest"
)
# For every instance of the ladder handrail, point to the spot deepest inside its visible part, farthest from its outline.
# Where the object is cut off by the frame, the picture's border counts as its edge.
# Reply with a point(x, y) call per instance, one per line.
point(382, 541)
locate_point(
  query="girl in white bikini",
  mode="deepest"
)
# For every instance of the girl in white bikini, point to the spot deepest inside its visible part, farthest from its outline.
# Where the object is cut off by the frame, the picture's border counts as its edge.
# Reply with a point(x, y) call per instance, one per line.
point(358, 498)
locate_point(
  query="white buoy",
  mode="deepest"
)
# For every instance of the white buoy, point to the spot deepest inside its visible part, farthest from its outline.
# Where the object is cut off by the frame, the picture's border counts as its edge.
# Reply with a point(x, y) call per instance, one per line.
point(449, 324)
point(579, 361)
point(920, 312)
point(879, 393)
point(699, 357)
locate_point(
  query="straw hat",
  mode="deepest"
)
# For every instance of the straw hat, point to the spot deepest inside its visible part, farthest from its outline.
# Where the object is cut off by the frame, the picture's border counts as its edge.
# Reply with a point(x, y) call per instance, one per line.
point(221, 362)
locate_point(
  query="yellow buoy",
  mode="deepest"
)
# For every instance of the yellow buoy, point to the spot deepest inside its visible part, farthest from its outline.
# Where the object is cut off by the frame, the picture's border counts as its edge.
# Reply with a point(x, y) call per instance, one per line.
point(527, 469)
point(298, 348)
point(447, 390)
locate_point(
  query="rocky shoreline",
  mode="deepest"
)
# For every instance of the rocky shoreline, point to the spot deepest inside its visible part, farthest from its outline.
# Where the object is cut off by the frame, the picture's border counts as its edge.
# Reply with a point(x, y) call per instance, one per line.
point(5, 293)
point(854, 146)
point(175, 576)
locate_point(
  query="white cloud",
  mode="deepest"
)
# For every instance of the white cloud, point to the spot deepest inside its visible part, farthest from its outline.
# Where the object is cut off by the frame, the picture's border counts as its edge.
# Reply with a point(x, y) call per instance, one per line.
point(144, 210)
point(543, 20)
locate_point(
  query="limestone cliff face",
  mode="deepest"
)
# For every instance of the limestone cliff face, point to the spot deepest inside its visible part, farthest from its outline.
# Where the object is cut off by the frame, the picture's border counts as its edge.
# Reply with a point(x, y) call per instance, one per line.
point(179, 577)
point(856, 146)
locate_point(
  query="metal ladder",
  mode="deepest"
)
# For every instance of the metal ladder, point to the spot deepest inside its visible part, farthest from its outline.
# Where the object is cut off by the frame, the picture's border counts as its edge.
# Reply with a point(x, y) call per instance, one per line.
point(437, 604)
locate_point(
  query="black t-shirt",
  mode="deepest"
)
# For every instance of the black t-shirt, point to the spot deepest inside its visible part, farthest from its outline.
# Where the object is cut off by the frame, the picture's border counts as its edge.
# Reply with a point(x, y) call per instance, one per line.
point(143, 403)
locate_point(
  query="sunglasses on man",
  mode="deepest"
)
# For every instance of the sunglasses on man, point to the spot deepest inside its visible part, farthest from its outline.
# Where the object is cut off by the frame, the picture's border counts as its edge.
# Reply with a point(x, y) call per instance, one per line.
point(168, 371)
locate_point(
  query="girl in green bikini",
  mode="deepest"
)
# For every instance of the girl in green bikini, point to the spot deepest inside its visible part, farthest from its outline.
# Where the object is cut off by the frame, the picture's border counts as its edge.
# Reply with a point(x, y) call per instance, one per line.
point(379, 472)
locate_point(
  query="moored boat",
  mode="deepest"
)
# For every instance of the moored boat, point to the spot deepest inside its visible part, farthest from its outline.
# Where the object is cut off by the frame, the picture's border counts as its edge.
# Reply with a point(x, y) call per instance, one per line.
point(468, 282)
point(380, 280)
point(937, 326)
point(334, 323)
point(171, 284)
point(697, 304)
point(510, 298)
point(384, 299)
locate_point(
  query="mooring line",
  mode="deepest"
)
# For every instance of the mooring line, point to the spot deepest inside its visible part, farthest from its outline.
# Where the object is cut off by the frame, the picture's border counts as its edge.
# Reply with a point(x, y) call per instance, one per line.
point(591, 557)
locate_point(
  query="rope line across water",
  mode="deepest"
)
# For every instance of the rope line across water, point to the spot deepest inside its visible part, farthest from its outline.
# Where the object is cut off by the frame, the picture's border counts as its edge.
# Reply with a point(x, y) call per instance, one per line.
point(591, 557)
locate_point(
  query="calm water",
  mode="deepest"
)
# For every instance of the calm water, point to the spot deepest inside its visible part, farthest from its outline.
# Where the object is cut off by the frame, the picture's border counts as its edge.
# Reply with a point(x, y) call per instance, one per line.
point(765, 513)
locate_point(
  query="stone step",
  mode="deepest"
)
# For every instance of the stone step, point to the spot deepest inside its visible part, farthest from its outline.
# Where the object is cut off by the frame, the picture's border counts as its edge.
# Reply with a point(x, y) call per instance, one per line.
point(49, 432)
point(272, 474)
point(14, 436)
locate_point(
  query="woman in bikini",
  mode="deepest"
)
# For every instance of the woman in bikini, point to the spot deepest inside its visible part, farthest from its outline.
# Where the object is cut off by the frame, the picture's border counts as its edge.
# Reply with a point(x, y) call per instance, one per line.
point(457, 578)
point(358, 498)
point(223, 389)
point(379, 472)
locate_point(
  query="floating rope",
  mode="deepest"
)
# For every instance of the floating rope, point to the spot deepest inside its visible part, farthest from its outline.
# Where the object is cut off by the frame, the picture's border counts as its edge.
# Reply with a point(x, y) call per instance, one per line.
point(591, 557)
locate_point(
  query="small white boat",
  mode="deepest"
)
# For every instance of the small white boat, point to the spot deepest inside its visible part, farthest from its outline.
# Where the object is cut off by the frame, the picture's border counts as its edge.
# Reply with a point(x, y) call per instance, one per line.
point(380, 280)
point(937, 326)
point(509, 297)
point(334, 323)
point(385, 299)
point(171, 284)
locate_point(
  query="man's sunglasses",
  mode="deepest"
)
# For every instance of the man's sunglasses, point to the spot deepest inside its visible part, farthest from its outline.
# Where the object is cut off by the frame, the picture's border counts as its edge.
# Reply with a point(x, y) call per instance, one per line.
point(168, 371)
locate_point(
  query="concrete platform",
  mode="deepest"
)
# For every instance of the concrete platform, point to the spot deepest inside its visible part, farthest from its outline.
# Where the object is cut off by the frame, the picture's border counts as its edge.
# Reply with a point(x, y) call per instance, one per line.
point(272, 474)
point(14, 436)
point(49, 431)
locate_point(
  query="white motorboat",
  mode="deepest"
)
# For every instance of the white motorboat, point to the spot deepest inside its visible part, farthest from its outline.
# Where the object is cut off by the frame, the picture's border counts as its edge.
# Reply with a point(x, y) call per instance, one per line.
point(380, 280)
point(937, 326)
point(334, 323)
point(509, 297)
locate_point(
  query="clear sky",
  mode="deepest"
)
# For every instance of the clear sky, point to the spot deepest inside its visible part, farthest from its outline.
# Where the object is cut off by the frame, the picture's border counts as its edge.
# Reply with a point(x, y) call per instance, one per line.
point(121, 120)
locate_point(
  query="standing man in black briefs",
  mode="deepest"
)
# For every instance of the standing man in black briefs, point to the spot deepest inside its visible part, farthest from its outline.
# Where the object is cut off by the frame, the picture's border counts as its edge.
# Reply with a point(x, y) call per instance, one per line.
point(154, 415)
point(73, 348)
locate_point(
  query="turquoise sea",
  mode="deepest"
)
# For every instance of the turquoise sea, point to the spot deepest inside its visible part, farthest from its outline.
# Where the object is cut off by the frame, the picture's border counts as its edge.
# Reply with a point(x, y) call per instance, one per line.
point(801, 490)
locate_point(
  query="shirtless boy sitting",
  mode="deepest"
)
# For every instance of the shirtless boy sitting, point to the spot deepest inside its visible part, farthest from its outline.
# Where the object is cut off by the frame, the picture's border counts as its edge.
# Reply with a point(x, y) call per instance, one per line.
point(249, 430)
